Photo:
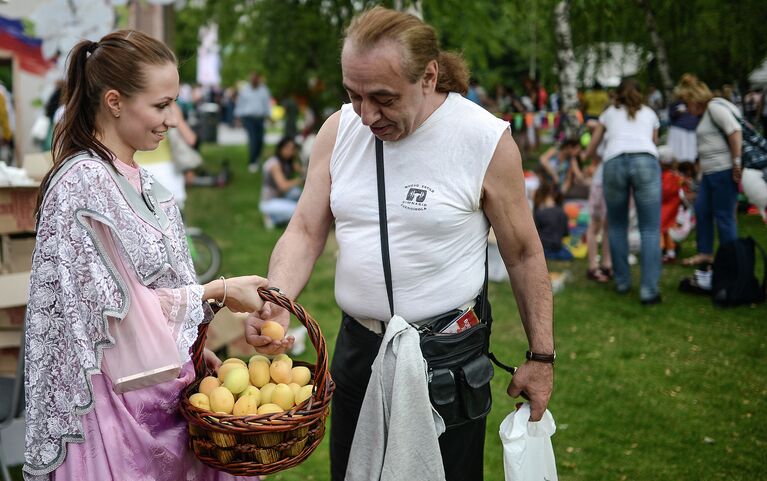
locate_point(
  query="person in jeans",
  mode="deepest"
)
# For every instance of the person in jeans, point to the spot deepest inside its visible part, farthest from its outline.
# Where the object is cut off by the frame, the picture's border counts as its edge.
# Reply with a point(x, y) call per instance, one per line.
point(253, 107)
point(719, 148)
point(631, 169)
point(452, 171)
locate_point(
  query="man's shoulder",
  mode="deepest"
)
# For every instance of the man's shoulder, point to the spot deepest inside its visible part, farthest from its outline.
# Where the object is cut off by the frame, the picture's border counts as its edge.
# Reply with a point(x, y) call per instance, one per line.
point(468, 114)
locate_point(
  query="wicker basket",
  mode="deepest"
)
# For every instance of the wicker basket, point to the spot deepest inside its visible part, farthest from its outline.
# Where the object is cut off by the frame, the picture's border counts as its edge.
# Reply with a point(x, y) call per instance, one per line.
point(261, 444)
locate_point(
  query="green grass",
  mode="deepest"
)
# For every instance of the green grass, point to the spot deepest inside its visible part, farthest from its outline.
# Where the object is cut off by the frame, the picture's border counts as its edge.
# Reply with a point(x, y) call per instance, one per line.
point(672, 391)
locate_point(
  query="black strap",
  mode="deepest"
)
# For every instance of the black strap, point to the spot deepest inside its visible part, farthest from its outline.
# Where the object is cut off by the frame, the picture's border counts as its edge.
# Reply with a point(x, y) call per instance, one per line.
point(383, 223)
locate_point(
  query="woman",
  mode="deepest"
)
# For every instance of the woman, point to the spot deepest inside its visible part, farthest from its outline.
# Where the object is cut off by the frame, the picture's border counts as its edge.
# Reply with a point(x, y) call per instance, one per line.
point(719, 147)
point(631, 168)
point(282, 184)
point(114, 306)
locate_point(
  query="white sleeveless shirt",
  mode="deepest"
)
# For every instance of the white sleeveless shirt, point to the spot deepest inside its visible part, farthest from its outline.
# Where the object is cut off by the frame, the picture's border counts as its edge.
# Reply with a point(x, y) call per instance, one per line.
point(437, 230)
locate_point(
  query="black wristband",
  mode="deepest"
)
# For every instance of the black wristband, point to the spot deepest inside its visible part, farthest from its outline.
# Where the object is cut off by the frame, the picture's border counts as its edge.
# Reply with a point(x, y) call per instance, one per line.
point(544, 358)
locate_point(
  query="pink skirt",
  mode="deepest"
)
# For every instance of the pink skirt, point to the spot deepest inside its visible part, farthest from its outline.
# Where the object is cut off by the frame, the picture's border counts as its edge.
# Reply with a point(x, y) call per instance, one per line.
point(137, 436)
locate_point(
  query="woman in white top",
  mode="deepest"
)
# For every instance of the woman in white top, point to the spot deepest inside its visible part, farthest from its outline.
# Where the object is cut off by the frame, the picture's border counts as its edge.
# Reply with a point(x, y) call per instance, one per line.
point(719, 147)
point(631, 167)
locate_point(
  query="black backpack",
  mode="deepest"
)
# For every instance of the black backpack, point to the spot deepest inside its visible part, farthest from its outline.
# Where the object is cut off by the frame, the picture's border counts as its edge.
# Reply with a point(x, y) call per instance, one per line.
point(734, 282)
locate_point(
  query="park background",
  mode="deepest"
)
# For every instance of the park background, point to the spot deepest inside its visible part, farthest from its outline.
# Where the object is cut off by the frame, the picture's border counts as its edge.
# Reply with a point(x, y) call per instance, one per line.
point(672, 391)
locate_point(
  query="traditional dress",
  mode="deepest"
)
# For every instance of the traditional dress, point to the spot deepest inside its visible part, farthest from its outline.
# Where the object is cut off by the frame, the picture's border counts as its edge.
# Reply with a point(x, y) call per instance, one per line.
point(113, 311)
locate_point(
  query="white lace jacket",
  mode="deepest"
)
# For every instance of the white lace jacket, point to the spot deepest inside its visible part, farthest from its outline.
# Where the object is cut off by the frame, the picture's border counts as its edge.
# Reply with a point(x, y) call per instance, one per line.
point(75, 289)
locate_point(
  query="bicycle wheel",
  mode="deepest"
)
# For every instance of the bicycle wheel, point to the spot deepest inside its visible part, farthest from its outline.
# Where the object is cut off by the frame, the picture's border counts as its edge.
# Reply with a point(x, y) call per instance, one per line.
point(206, 255)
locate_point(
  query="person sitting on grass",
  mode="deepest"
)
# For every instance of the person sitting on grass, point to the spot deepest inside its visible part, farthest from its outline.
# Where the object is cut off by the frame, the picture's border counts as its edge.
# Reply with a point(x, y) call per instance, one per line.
point(557, 161)
point(281, 186)
point(551, 222)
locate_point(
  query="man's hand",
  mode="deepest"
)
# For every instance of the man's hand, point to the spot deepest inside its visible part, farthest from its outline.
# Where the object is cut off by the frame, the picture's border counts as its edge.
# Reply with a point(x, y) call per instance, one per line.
point(265, 344)
point(536, 380)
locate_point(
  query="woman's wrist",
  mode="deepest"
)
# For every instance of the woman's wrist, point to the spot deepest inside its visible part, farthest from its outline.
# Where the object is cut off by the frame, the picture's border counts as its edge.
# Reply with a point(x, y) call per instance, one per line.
point(214, 290)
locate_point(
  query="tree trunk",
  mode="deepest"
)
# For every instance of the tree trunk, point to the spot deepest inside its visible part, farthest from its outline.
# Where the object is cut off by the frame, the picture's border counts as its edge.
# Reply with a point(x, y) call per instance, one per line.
point(567, 69)
point(660, 48)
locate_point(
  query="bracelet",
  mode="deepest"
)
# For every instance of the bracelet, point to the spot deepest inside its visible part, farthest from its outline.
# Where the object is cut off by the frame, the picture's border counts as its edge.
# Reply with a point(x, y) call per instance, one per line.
point(222, 302)
point(545, 358)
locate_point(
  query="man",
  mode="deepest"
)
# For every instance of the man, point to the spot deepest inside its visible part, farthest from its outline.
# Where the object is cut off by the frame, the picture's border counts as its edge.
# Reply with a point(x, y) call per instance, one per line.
point(450, 167)
point(595, 101)
point(252, 109)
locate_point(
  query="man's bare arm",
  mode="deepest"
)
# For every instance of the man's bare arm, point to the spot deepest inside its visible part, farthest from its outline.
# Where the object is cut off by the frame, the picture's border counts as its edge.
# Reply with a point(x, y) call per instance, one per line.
point(297, 250)
point(506, 206)
point(304, 239)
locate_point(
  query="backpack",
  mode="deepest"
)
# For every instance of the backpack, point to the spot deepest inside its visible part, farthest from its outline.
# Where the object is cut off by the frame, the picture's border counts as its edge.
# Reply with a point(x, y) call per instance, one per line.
point(754, 146)
point(734, 282)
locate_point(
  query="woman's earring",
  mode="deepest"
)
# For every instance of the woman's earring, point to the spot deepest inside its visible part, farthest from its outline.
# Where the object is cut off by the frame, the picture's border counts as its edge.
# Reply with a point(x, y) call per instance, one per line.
point(117, 114)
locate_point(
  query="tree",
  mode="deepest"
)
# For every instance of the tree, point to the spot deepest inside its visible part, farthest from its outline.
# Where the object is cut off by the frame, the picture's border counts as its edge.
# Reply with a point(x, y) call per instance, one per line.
point(660, 47)
point(567, 67)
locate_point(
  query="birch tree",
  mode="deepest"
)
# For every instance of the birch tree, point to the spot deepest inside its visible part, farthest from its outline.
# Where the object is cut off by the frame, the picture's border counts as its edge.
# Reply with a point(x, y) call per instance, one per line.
point(567, 68)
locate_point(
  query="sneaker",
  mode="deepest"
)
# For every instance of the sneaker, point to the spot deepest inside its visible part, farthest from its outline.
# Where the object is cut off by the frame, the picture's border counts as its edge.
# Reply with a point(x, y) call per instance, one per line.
point(651, 301)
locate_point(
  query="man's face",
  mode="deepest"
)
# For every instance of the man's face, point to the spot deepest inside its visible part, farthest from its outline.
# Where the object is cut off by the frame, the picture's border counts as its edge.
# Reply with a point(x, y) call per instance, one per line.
point(381, 94)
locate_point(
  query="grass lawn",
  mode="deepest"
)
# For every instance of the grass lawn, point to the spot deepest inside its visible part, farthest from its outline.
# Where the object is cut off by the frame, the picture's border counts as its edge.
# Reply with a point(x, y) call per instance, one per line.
point(672, 391)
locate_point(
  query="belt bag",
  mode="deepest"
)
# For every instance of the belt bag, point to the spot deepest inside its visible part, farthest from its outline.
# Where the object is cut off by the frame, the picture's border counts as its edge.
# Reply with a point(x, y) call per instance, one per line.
point(459, 374)
point(459, 365)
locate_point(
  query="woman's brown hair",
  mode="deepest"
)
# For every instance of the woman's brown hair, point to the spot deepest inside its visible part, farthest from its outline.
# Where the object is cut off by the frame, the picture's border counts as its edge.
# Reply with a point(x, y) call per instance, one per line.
point(419, 43)
point(116, 62)
point(545, 190)
point(628, 95)
point(691, 89)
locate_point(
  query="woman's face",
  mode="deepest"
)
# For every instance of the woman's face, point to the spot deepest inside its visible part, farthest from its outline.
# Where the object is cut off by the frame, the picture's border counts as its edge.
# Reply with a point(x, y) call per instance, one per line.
point(146, 117)
point(288, 151)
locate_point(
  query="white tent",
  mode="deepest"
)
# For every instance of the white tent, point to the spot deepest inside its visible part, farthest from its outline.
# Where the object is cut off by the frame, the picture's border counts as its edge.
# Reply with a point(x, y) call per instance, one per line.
point(608, 63)
point(759, 76)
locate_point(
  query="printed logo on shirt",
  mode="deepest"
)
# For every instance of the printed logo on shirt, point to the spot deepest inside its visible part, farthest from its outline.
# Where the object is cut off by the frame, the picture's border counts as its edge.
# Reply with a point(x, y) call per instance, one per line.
point(415, 197)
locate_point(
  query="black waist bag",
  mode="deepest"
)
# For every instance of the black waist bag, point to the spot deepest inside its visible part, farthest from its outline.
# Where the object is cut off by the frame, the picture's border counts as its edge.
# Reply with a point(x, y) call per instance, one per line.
point(459, 374)
point(459, 364)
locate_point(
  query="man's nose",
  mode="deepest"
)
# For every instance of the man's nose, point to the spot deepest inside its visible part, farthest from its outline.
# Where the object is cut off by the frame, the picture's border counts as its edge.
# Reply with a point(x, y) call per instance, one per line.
point(369, 112)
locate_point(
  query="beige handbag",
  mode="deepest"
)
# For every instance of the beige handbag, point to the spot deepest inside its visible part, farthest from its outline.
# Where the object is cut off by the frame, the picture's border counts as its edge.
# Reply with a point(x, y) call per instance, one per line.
point(184, 156)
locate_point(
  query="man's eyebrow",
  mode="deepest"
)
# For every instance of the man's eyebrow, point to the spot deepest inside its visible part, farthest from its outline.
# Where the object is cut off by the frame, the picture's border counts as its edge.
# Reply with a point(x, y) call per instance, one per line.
point(375, 93)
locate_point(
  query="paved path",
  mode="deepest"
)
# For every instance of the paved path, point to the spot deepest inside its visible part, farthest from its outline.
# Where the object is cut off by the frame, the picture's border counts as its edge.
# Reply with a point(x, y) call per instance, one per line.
point(236, 136)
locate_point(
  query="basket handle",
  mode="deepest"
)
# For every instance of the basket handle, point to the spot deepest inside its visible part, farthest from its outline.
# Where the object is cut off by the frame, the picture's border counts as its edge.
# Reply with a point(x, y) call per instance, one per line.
point(313, 329)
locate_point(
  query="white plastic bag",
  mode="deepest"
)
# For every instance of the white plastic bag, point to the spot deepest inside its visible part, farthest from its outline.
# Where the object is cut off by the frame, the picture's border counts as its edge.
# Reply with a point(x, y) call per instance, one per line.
point(527, 451)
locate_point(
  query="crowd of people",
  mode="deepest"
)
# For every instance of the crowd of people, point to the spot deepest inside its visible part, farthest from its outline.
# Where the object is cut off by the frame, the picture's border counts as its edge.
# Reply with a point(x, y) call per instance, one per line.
point(641, 174)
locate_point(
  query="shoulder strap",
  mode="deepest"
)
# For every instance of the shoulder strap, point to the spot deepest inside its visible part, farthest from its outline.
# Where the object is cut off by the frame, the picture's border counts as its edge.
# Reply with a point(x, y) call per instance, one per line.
point(382, 222)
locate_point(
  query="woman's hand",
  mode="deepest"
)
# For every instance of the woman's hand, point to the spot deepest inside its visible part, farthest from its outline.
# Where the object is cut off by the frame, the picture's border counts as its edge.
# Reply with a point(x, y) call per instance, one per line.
point(211, 360)
point(265, 344)
point(241, 292)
